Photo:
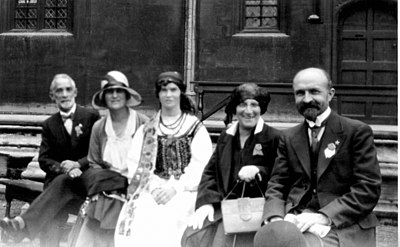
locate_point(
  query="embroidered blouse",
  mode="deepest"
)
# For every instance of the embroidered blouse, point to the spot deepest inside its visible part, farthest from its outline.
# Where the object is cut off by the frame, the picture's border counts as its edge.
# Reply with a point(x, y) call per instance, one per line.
point(183, 154)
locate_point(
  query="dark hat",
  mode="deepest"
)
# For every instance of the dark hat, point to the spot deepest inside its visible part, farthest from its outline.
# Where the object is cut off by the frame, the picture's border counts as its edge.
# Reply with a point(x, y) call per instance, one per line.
point(248, 91)
point(285, 234)
point(115, 79)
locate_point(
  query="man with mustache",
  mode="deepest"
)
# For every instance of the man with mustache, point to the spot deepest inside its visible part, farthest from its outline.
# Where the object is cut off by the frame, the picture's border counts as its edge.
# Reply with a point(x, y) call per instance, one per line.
point(326, 179)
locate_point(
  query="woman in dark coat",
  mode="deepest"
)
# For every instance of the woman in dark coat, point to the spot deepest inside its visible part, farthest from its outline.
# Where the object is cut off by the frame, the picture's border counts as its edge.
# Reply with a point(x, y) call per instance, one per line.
point(246, 151)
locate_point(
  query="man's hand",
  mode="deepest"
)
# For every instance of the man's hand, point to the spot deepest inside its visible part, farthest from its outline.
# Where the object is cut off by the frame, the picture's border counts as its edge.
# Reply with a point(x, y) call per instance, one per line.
point(75, 172)
point(197, 220)
point(304, 221)
point(68, 165)
point(248, 173)
point(163, 195)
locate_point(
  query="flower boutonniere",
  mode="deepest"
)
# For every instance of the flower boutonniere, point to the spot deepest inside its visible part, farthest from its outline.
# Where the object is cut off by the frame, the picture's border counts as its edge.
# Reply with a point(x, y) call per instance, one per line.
point(258, 150)
point(331, 149)
point(78, 130)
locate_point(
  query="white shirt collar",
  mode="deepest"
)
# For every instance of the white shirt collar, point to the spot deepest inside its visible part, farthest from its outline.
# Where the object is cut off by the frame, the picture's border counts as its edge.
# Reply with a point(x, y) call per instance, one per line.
point(70, 111)
point(234, 126)
point(320, 118)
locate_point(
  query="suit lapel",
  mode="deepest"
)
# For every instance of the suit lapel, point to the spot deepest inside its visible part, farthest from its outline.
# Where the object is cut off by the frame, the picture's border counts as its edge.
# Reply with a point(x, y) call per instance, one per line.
point(59, 128)
point(300, 145)
point(331, 142)
point(226, 161)
point(75, 122)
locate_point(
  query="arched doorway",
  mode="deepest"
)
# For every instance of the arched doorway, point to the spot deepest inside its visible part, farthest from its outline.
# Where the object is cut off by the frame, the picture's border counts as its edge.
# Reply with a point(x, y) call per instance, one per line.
point(367, 61)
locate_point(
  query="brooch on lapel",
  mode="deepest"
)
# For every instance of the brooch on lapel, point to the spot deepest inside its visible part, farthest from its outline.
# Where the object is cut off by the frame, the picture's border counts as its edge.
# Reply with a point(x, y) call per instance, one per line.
point(331, 149)
point(258, 150)
point(78, 130)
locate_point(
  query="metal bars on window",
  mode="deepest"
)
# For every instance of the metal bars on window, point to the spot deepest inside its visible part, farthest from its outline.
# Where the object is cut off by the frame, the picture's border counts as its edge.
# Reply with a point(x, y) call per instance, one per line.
point(261, 14)
point(43, 15)
point(26, 14)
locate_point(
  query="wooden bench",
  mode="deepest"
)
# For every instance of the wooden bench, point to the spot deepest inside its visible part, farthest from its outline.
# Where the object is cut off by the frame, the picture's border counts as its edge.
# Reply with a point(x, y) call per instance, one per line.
point(18, 145)
point(20, 189)
point(12, 164)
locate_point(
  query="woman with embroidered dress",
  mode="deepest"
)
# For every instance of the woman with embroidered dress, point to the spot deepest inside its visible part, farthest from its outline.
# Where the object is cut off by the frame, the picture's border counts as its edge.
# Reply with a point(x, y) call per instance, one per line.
point(106, 179)
point(245, 151)
point(166, 161)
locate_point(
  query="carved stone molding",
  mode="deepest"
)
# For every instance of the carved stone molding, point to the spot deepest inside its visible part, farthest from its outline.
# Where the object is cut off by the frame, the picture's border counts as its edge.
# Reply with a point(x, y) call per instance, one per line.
point(190, 44)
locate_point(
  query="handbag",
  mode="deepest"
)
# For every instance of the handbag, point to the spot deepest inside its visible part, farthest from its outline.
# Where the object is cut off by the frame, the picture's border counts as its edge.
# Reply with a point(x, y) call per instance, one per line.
point(242, 214)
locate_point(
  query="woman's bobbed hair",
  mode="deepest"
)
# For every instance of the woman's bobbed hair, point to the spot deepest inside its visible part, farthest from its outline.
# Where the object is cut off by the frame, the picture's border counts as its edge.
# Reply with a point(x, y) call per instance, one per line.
point(248, 91)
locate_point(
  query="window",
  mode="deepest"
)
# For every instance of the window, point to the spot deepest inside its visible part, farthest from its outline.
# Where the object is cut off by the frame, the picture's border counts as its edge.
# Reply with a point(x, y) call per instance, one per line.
point(42, 15)
point(261, 16)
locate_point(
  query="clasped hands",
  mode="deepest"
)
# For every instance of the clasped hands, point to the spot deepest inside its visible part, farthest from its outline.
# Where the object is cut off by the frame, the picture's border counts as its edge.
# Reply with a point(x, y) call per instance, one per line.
point(163, 195)
point(72, 168)
point(246, 173)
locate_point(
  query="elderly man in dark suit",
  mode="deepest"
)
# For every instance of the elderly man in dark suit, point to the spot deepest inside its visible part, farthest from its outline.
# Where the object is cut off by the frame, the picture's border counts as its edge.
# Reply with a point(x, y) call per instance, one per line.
point(62, 155)
point(326, 179)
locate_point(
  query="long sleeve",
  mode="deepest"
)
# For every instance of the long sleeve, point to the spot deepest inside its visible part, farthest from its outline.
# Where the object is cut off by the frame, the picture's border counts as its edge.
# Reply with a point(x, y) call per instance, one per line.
point(209, 189)
point(95, 147)
point(276, 192)
point(208, 192)
point(46, 157)
point(364, 192)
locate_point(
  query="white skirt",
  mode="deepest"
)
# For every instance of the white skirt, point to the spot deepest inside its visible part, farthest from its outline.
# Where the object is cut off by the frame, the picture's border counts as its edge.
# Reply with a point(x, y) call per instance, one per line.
point(154, 225)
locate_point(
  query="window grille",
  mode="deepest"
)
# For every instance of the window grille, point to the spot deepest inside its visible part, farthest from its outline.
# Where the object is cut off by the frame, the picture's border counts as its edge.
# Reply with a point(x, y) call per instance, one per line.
point(43, 15)
point(262, 15)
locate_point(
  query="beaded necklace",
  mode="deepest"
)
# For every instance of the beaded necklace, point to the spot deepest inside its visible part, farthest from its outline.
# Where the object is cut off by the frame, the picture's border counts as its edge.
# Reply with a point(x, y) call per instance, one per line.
point(176, 129)
point(174, 124)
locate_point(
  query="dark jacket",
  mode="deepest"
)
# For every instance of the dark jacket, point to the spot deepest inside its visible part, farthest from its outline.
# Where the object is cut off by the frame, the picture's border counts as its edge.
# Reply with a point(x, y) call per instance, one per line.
point(57, 145)
point(215, 182)
point(348, 178)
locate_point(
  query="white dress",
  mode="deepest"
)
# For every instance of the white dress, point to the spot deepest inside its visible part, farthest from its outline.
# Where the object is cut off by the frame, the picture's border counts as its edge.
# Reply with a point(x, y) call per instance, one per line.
point(163, 225)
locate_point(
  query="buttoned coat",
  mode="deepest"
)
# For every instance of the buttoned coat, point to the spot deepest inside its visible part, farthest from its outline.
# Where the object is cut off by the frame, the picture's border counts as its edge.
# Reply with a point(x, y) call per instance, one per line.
point(214, 184)
point(57, 145)
point(348, 178)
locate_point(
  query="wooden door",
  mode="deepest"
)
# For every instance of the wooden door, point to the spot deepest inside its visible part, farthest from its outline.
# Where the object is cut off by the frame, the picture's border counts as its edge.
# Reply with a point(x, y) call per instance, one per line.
point(367, 62)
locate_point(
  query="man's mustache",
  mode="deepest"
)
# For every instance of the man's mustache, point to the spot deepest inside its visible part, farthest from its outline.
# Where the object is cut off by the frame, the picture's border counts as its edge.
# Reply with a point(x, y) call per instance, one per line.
point(312, 104)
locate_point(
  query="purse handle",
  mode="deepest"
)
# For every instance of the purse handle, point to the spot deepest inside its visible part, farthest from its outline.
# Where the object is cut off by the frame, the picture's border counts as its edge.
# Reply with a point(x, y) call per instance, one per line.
point(244, 186)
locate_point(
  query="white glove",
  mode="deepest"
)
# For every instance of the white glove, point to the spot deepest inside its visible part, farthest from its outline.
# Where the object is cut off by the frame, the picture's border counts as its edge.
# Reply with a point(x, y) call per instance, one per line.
point(248, 173)
point(291, 218)
point(200, 215)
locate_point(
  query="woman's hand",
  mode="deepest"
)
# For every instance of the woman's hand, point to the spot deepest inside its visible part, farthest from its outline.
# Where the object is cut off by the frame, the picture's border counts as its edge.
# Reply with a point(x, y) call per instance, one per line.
point(163, 195)
point(197, 220)
point(248, 173)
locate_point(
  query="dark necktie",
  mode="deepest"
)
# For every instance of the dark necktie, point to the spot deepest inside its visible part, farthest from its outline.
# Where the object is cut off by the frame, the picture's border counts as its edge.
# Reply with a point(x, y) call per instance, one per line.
point(65, 117)
point(314, 138)
point(314, 135)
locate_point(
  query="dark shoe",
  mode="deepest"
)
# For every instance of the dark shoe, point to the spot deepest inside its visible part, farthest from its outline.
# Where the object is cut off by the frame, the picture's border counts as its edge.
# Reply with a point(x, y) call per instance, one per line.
point(12, 229)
